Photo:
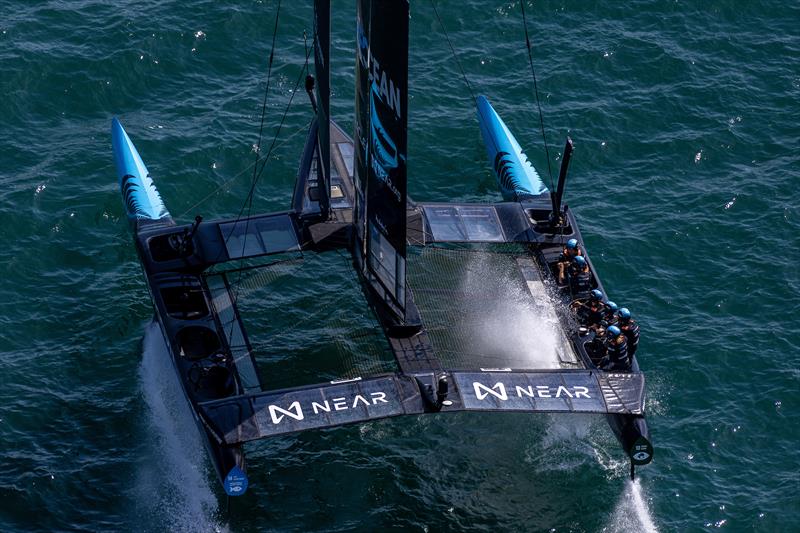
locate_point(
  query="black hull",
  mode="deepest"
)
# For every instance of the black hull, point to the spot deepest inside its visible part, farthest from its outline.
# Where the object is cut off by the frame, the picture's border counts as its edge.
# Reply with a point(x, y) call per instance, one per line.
point(196, 309)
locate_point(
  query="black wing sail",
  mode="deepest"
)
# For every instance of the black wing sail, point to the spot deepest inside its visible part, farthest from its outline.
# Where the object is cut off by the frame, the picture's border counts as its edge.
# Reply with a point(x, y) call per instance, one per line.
point(381, 144)
point(322, 42)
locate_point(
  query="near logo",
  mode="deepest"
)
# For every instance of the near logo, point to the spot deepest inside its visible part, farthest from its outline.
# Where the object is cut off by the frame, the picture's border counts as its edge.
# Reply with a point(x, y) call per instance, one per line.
point(498, 390)
point(343, 403)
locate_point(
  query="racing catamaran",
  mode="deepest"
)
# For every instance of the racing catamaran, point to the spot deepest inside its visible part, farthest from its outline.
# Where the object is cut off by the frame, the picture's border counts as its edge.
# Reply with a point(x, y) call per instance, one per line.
point(351, 196)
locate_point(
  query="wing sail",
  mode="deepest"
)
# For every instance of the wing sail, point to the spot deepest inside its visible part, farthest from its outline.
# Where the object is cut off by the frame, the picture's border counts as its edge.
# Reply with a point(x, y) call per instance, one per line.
point(380, 146)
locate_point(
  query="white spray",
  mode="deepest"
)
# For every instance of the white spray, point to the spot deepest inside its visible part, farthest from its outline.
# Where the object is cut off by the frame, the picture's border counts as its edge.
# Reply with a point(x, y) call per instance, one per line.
point(511, 324)
point(173, 483)
point(632, 512)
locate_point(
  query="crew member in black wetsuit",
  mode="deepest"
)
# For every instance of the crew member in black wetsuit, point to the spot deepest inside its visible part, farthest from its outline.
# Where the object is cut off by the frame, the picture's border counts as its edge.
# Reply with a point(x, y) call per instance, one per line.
point(580, 278)
point(570, 252)
point(630, 329)
point(616, 351)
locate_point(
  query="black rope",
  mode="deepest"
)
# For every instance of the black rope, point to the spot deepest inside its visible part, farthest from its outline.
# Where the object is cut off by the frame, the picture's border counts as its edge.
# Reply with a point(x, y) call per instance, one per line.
point(536, 92)
point(266, 91)
point(256, 177)
point(249, 200)
point(455, 56)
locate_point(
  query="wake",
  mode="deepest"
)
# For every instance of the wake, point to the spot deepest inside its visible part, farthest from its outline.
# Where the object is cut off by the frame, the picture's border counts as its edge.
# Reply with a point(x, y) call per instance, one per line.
point(632, 512)
point(173, 485)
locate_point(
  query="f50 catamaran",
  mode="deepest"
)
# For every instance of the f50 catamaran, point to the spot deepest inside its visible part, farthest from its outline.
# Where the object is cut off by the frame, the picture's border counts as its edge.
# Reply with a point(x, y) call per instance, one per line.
point(351, 195)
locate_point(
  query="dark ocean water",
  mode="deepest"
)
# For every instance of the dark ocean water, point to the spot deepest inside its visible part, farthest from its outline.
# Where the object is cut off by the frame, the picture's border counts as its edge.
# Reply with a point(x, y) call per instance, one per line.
point(685, 180)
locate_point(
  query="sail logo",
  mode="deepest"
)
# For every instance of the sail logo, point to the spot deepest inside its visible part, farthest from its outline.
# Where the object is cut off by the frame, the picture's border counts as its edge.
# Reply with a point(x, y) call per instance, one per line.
point(499, 391)
point(388, 91)
point(298, 411)
point(385, 156)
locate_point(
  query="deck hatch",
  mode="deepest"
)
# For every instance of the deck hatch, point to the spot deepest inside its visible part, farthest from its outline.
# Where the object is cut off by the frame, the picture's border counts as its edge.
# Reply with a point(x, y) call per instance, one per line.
point(259, 236)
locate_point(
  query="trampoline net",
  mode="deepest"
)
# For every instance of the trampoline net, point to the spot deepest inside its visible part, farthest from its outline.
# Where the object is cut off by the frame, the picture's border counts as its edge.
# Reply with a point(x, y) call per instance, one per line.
point(481, 313)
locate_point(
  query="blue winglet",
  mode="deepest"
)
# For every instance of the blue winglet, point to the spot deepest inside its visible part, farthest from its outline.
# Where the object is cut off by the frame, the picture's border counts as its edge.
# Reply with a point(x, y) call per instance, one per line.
point(515, 174)
point(139, 193)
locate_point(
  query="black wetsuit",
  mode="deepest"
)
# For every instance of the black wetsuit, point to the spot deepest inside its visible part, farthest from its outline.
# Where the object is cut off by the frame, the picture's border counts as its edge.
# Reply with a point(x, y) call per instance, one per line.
point(631, 330)
point(616, 356)
point(609, 317)
point(595, 314)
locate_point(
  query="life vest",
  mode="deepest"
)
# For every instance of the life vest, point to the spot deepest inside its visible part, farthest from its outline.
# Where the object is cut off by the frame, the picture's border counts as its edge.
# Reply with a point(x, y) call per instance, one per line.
point(617, 355)
point(580, 282)
point(631, 331)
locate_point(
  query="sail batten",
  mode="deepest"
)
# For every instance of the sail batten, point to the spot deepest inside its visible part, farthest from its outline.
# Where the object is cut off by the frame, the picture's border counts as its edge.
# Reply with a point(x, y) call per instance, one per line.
point(381, 145)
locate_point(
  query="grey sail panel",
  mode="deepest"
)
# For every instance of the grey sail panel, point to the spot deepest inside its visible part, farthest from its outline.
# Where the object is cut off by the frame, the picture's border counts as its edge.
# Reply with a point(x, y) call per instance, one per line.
point(381, 145)
point(322, 42)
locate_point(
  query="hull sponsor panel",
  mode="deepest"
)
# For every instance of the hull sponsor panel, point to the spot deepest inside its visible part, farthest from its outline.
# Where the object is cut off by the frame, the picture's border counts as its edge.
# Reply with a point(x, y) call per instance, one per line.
point(253, 417)
point(547, 392)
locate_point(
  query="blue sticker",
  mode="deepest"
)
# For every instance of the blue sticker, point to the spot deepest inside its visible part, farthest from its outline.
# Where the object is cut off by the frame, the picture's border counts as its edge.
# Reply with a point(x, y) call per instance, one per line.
point(235, 482)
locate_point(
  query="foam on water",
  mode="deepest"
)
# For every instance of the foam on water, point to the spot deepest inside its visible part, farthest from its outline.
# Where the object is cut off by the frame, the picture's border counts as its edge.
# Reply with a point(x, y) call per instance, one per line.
point(173, 484)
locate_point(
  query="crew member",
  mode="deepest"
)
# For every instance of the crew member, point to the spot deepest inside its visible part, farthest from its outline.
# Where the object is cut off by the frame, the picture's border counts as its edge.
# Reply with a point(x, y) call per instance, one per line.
point(592, 312)
point(580, 278)
point(610, 316)
point(616, 351)
point(570, 252)
point(630, 329)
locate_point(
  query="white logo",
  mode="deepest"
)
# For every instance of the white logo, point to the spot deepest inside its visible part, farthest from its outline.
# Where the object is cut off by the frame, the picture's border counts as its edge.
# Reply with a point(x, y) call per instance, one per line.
point(343, 403)
point(294, 411)
point(641, 456)
point(500, 392)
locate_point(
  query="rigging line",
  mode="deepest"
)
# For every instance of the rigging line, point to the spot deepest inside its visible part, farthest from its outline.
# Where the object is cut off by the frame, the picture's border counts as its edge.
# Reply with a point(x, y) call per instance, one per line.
point(278, 131)
point(230, 180)
point(536, 91)
point(266, 91)
point(252, 188)
point(263, 160)
point(453, 51)
point(248, 200)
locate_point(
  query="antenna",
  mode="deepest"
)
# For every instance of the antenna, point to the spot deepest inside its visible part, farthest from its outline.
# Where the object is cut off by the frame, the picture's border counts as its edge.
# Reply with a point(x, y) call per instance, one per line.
point(556, 196)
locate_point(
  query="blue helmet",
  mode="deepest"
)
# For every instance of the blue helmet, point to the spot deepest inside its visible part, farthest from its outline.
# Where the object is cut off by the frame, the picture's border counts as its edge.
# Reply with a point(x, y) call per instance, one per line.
point(597, 294)
point(614, 331)
point(572, 244)
point(611, 305)
point(624, 313)
point(579, 260)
